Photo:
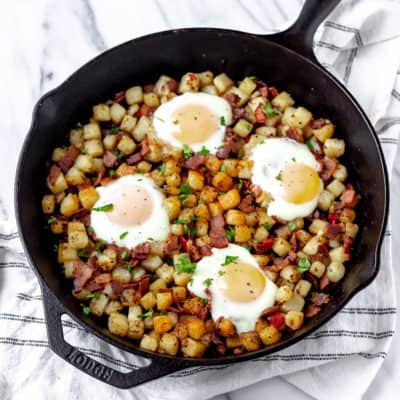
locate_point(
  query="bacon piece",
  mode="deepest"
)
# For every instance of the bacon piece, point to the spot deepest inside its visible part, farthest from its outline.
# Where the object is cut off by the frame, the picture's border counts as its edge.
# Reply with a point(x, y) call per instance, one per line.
point(270, 310)
point(328, 168)
point(292, 256)
point(55, 171)
point(145, 110)
point(292, 133)
point(324, 282)
point(145, 148)
point(92, 286)
point(319, 123)
point(223, 153)
point(319, 299)
point(99, 178)
point(348, 243)
point(238, 113)
point(260, 116)
point(217, 232)
point(172, 85)
point(116, 288)
point(232, 144)
point(232, 98)
point(220, 345)
point(349, 197)
point(69, 158)
point(238, 350)
point(149, 88)
point(144, 283)
point(273, 91)
point(311, 278)
point(134, 159)
point(141, 251)
point(193, 250)
point(119, 97)
point(263, 91)
point(171, 245)
point(109, 159)
point(247, 204)
point(103, 279)
point(255, 189)
point(333, 230)
point(333, 218)
point(80, 213)
point(311, 310)
point(205, 250)
point(82, 273)
point(194, 162)
point(264, 245)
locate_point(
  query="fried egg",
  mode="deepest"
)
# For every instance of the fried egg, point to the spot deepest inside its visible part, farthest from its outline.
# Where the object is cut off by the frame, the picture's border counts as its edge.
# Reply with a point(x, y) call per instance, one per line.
point(130, 211)
point(288, 171)
point(194, 119)
point(239, 288)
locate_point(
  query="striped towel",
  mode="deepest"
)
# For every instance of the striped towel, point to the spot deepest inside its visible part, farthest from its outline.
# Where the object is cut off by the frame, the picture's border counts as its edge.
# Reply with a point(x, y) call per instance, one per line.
point(352, 43)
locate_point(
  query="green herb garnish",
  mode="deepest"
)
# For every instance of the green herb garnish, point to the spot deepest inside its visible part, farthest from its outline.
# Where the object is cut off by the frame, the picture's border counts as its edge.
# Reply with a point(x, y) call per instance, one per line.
point(220, 273)
point(190, 283)
point(278, 177)
point(129, 267)
point(86, 310)
point(105, 208)
point(240, 153)
point(292, 226)
point(123, 235)
point(252, 78)
point(304, 264)
point(90, 229)
point(268, 110)
point(310, 144)
point(222, 120)
point(207, 282)
point(184, 265)
point(223, 168)
point(114, 130)
point(162, 169)
point(229, 260)
point(187, 151)
point(55, 248)
point(204, 151)
point(176, 122)
point(185, 189)
point(201, 201)
point(146, 314)
point(99, 246)
point(84, 253)
point(93, 296)
point(160, 119)
point(294, 159)
point(230, 233)
point(123, 254)
point(112, 172)
point(205, 301)
point(78, 125)
point(240, 184)
point(51, 220)
point(266, 225)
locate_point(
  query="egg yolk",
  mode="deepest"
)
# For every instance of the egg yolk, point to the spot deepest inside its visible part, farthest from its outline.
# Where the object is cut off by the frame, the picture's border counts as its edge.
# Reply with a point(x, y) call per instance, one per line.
point(241, 282)
point(132, 206)
point(301, 183)
point(195, 124)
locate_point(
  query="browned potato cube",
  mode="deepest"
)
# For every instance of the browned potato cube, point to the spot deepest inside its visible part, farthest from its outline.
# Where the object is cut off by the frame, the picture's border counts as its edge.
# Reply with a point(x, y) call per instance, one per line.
point(193, 348)
point(126, 145)
point(208, 194)
point(250, 340)
point(190, 82)
point(179, 294)
point(196, 328)
point(69, 205)
point(66, 253)
point(135, 329)
point(235, 217)
point(222, 182)
point(60, 184)
point(294, 319)
point(173, 206)
point(230, 199)
point(162, 324)
point(151, 99)
point(134, 95)
point(94, 147)
point(270, 335)
point(118, 324)
point(169, 343)
point(193, 306)
point(202, 211)
point(88, 197)
point(128, 124)
point(117, 112)
point(149, 343)
point(195, 180)
point(101, 112)
point(242, 233)
point(223, 83)
point(225, 327)
point(233, 341)
point(48, 203)
point(164, 300)
point(77, 236)
point(281, 247)
point(215, 209)
point(74, 176)
point(148, 301)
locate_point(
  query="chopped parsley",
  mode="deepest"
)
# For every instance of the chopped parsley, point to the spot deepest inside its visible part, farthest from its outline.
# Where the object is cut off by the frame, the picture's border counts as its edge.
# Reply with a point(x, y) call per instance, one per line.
point(123, 254)
point(160, 119)
point(304, 264)
point(180, 221)
point(83, 253)
point(310, 144)
point(240, 153)
point(230, 233)
point(207, 282)
point(123, 235)
point(292, 226)
point(201, 201)
point(278, 177)
point(90, 229)
point(154, 278)
point(105, 208)
point(100, 245)
point(220, 273)
point(185, 189)
point(266, 225)
point(112, 172)
point(268, 110)
point(55, 248)
point(86, 310)
point(204, 151)
point(146, 314)
point(190, 283)
point(78, 125)
point(118, 153)
point(93, 296)
point(223, 168)
point(279, 133)
point(150, 239)
point(205, 301)
point(129, 267)
point(229, 260)
point(187, 151)
point(294, 159)
point(176, 122)
point(240, 184)
point(252, 78)
point(114, 130)
point(162, 169)
point(51, 220)
point(184, 265)
point(222, 121)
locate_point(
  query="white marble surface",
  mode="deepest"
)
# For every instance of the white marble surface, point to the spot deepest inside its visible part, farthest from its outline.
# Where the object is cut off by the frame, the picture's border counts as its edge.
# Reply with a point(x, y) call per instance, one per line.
point(44, 41)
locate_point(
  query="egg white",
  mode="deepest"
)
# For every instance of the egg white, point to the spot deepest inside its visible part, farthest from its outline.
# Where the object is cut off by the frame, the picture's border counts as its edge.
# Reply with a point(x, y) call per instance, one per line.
point(243, 315)
point(156, 227)
point(269, 159)
point(163, 120)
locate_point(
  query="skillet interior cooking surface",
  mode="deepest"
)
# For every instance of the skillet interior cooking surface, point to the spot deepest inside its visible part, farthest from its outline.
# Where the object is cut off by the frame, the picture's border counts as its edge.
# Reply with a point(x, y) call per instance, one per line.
point(238, 54)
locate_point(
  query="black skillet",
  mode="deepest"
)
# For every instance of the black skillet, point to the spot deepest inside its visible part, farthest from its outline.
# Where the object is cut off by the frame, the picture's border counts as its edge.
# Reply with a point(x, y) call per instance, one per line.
point(285, 60)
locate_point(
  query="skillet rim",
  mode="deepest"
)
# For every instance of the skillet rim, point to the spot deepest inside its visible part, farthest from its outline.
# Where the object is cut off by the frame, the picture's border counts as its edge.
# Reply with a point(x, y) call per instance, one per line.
point(187, 362)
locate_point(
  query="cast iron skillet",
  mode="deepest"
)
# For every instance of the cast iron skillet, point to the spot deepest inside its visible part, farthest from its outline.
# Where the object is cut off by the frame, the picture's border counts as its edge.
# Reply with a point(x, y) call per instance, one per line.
point(285, 60)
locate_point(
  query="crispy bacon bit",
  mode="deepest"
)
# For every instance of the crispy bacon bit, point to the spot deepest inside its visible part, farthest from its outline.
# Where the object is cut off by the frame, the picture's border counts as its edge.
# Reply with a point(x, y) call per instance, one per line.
point(328, 168)
point(134, 159)
point(333, 218)
point(205, 250)
point(69, 158)
point(270, 310)
point(217, 232)
point(319, 123)
point(294, 134)
point(116, 288)
point(81, 214)
point(145, 147)
point(333, 230)
point(144, 283)
point(292, 256)
point(232, 144)
point(311, 310)
point(311, 278)
point(149, 88)
point(141, 251)
point(192, 76)
point(319, 299)
point(119, 97)
point(238, 350)
point(223, 153)
point(145, 110)
point(103, 279)
point(238, 113)
point(82, 273)
point(260, 116)
point(273, 91)
point(324, 282)
point(203, 314)
point(256, 190)
point(264, 245)
point(99, 177)
point(247, 204)
point(232, 98)
point(109, 159)
point(349, 197)
point(194, 162)
point(92, 286)
point(348, 243)
point(323, 249)
point(221, 348)
point(193, 250)
point(106, 180)
point(263, 91)
point(53, 174)
point(277, 320)
point(172, 85)
point(171, 245)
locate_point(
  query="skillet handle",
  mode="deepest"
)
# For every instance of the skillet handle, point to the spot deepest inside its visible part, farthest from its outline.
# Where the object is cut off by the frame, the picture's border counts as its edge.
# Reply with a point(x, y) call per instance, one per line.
point(299, 37)
point(156, 369)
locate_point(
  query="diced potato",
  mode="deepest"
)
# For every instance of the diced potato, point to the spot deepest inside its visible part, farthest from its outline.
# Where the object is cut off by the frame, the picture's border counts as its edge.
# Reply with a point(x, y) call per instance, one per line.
point(222, 182)
point(341, 173)
point(157, 285)
point(223, 83)
point(210, 89)
point(60, 184)
point(202, 211)
point(192, 348)
point(117, 112)
point(166, 272)
point(113, 306)
point(230, 199)
point(173, 207)
point(230, 165)
point(317, 226)
point(201, 227)
point(118, 324)
point(101, 112)
point(179, 293)
point(336, 188)
point(290, 273)
point(245, 169)
point(134, 95)
point(260, 234)
point(77, 236)
point(243, 97)
point(281, 247)
point(335, 271)
point(235, 217)
point(196, 328)
point(270, 335)
point(149, 343)
point(208, 194)
point(262, 259)
point(190, 82)
point(324, 133)
point(295, 303)
point(311, 248)
point(338, 255)
point(216, 209)
point(282, 101)
point(88, 197)
point(169, 344)
point(303, 287)
point(142, 127)
point(334, 147)
point(301, 118)
point(48, 203)
point(162, 86)
point(121, 275)
point(128, 123)
point(91, 131)
point(58, 154)
point(84, 163)
point(76, 137)
point(69, 205)
point(151, 99)
point(242, 233)
point(107, 260)
point(294, 319)
point(250, 341)
point(126, 145)
point(317, 269)
point(98, 304)
point(148, 301)
point(162, 324)
point(109, 142)
point(195, 180)
point(74, 176)
point(325, 200)
point(248, 86)
point(164, 300)
point(135, 329)
point(351, 229)
point(94, 147)
point(66, 253)
point(226, 327)
point(232, 342)
point(283, 293)
point(57, 227)
point(206, 78)
point(243, 128)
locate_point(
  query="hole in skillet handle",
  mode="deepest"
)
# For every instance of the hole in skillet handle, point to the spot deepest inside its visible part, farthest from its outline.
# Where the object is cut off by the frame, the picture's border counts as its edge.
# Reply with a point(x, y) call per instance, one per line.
point(300, 36)
point(156, 369)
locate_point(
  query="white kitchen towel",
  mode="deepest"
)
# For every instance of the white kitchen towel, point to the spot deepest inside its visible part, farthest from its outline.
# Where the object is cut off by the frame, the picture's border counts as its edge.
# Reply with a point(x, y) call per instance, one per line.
point(360, 44)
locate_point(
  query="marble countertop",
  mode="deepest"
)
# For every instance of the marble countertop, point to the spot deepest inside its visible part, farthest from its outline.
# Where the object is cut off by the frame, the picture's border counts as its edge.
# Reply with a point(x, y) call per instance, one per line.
point(43, 41)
